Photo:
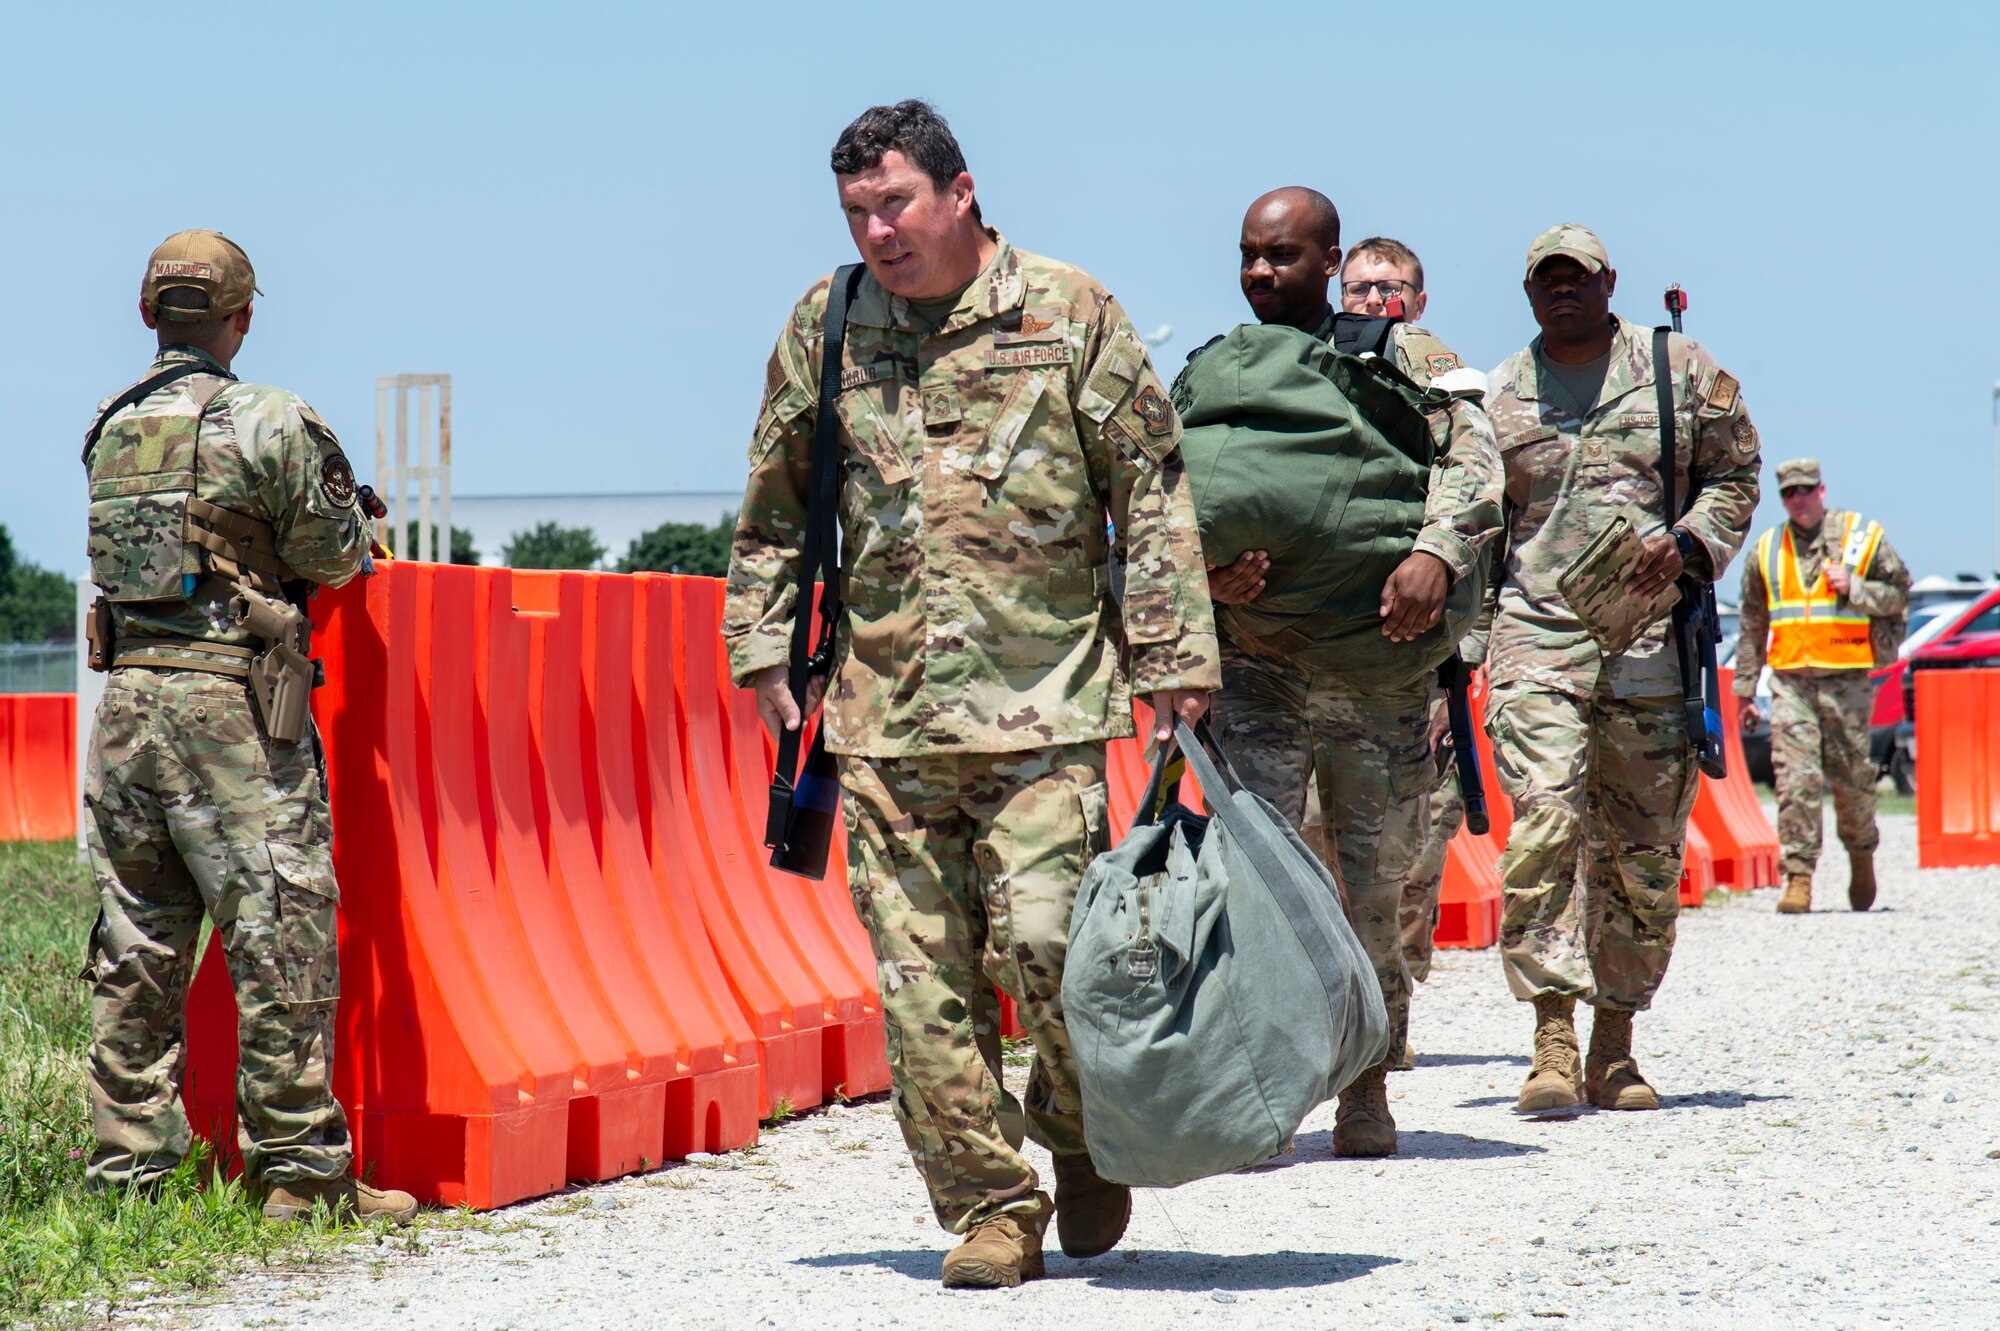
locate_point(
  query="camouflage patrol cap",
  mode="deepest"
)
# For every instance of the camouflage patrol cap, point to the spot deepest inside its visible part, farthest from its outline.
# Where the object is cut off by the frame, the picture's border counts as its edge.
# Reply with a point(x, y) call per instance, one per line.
point(210, 270)
point(1578, 242)
point(1799, 471)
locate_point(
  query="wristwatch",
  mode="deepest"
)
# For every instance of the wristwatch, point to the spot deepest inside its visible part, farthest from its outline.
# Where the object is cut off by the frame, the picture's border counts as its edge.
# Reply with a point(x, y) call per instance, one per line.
point(1685, 541)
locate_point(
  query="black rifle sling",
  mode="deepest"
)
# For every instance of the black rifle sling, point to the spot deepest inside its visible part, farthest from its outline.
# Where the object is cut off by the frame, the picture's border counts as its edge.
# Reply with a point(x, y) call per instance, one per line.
point(139, 392)
point(1670, 465)
point(819, 557)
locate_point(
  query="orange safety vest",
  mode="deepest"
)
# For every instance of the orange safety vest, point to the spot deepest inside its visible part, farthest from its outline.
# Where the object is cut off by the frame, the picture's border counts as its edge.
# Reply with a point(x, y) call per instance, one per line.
point(1814, 627)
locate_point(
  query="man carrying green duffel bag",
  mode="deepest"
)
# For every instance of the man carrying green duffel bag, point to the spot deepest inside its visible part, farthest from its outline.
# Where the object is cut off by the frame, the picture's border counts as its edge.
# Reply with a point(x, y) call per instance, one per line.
point(1214, 993)
point(1362, 489)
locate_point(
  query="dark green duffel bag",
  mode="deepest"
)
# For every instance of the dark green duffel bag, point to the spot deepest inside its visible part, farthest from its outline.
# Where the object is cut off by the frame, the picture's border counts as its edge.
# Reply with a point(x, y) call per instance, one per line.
point(1323, 460)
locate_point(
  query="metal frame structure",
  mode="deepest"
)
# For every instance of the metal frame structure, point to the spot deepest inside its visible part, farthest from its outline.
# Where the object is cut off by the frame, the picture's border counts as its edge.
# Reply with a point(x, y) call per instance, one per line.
point(427, 471)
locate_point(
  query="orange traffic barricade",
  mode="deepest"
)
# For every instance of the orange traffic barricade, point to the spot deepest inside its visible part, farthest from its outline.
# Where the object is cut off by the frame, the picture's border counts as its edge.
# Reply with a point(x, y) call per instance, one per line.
point(815, 918)
point(37, 767)
point(1697, 868)
point(1958, 767)
point(1728, 813)
point(522, 999)
point(759, 954)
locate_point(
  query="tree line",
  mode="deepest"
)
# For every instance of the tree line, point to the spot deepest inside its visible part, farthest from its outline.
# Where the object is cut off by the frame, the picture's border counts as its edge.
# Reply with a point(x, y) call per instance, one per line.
point(39, 605)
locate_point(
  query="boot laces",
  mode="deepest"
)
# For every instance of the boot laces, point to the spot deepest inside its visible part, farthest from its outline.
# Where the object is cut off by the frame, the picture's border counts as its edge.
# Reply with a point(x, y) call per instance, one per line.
point(1555, 1047)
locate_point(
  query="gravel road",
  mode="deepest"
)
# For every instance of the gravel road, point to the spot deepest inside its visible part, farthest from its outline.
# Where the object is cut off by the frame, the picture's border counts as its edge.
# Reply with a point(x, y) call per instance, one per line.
point(1828, 1156)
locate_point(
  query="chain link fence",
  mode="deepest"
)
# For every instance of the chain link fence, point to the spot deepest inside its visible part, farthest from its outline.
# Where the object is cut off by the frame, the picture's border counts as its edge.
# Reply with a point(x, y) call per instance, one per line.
point(37, 667)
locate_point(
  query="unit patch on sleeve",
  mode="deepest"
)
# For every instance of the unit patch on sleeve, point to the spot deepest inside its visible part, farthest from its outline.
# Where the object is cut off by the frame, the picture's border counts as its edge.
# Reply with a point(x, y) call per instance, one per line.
point(1152, 408)
point(336, 480)
point(1443, 363)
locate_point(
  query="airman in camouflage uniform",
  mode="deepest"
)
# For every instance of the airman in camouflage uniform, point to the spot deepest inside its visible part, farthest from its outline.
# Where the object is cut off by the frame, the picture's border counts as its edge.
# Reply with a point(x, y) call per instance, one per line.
point(1361, 743)
point(996, 411)
point(1822, 695)
point(200, 485)
point(1380, 276)
point(1593, 750)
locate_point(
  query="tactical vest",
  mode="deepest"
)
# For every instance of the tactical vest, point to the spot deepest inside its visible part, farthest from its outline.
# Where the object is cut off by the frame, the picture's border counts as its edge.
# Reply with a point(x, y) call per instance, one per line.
point(1814, 627)
point(151, 537)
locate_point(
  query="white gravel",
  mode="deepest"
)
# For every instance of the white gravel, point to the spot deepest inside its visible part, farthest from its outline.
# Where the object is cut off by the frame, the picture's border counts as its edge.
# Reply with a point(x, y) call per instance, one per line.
point(1828, 1156)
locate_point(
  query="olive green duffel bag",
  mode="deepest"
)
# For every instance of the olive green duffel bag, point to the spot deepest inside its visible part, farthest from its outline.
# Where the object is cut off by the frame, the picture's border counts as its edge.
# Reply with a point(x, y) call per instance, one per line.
point(1214, 992)
point(1323, 460)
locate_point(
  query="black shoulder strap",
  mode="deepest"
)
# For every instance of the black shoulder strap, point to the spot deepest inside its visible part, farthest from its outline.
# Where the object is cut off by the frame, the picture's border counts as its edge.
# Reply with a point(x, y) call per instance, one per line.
point(1663, 386)
point(819, 556)
point(140, 391)
point(1361, 335)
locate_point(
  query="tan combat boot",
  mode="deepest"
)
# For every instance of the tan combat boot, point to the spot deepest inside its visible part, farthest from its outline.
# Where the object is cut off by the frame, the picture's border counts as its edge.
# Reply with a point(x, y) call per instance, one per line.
point(1091, 1213)
point(1405, 1061)
point(1556, 1079)
point(345, 1201)
point(1861, 879)
point(1611, 1075)
point(1362, 1128)
point(999, 1253)
point(1798, 894)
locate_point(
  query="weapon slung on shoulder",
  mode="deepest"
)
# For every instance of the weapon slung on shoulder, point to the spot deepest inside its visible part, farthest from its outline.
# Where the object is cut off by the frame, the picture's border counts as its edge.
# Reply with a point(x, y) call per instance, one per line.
point(1696, 621)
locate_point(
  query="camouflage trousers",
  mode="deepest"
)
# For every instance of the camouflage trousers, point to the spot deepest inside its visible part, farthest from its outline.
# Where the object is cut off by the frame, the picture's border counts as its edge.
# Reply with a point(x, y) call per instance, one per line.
point(1287, 728)
point(1444, 814)
point(964, 868)
point(1602, 788)
point(1819, 739)
point(194, 809)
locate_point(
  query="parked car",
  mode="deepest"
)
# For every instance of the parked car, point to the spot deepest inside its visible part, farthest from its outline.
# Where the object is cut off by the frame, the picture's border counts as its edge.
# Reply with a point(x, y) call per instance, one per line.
point(1961, 635)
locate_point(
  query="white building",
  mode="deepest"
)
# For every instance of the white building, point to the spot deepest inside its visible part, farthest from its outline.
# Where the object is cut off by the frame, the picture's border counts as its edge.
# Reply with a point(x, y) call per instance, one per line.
point(617, 519)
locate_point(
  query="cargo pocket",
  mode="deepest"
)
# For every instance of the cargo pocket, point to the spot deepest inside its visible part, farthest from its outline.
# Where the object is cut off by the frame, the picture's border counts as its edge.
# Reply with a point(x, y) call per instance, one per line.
point(1094, 801)
point(1009, 423)
point(307, 909)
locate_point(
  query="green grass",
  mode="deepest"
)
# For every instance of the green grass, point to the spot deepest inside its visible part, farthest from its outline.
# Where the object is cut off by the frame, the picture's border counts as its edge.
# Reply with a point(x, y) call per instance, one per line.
point(1887, 800)
point(68, 1257)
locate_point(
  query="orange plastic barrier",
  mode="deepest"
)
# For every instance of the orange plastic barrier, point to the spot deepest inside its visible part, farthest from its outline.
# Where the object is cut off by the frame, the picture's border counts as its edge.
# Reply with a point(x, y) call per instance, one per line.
point(1958, 768)
point(37, 766)
point(529, 992)
point(1470, 897)
point(1729, 814)
point(1697, 868)
point(813, 924)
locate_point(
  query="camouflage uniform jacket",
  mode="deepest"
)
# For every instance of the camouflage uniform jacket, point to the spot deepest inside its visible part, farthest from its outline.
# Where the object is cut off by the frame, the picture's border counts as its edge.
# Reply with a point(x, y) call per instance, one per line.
point(983, 460)
point(1884, 592)
point(1568, 476)
point(260, 452)
point(1462, 510)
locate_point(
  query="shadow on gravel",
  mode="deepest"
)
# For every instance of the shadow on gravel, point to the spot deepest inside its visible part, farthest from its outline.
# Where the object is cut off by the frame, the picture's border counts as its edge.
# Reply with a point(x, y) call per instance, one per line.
point(1146, 1268)
point(917, 1263)
point(1716, 1100)
point(1697, 1100)
point(1414, 1146)
point(1468, 1060)
point(1195, 1272)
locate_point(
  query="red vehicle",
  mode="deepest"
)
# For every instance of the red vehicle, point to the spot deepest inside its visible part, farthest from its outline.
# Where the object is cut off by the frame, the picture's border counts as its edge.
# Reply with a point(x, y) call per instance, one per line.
point(1968, 636)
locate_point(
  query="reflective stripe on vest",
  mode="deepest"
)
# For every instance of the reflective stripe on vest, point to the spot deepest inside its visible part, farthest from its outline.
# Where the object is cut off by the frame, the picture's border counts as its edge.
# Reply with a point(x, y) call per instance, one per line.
point(1814, 627)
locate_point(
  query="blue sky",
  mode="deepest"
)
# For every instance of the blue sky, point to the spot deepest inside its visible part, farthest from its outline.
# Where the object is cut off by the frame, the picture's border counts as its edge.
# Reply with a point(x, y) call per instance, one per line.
point(596, 217)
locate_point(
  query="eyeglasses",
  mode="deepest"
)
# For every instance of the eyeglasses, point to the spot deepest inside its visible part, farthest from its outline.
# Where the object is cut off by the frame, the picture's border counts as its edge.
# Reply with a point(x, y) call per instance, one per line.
point(1794, 491)
point(1388, 287)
